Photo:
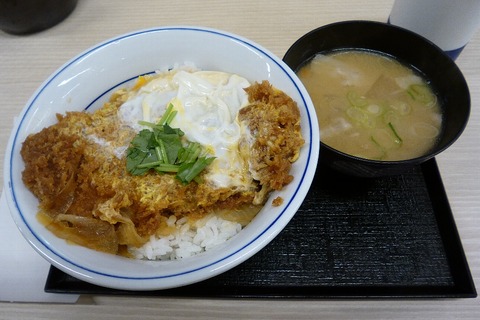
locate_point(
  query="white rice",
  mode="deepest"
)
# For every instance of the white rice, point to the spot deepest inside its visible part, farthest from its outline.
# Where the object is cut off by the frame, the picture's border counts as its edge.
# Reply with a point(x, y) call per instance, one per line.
point(189, 239)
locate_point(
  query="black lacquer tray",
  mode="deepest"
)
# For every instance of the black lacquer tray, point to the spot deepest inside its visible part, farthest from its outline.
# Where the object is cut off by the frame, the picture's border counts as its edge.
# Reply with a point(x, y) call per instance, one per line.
point(389, 237)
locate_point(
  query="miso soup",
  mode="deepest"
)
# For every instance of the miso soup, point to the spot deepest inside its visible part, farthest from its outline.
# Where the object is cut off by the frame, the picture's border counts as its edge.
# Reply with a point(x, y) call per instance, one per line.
point(372, 106)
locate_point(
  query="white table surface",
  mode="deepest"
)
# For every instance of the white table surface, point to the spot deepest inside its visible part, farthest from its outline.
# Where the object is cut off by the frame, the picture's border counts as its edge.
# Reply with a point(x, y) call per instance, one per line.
point(26, 61)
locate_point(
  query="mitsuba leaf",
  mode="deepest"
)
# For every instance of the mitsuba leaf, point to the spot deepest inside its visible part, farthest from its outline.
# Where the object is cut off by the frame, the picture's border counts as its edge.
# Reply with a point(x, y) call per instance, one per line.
point(144, 140)
point(171, 139)
point(136, 157)
point(161, 149)
point(189, 170)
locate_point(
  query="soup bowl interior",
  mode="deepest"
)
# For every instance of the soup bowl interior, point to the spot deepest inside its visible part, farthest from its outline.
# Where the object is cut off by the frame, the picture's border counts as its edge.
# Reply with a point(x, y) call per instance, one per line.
point(408, 48)
point(86, 82)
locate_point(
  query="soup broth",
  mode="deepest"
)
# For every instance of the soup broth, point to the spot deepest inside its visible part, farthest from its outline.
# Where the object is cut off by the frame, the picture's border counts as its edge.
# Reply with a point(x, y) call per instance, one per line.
point(372, 106)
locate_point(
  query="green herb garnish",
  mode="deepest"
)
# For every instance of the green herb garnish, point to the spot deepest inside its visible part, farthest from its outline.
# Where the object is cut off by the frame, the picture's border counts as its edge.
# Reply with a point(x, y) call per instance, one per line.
point(161, 148)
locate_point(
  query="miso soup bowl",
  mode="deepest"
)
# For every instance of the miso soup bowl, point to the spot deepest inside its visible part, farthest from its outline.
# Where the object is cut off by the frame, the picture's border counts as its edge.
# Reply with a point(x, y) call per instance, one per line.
point(408, 48)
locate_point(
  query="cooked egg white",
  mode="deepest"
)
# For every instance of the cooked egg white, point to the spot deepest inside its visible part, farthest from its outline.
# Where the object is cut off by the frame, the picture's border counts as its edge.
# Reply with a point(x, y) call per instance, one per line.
point(207, 104)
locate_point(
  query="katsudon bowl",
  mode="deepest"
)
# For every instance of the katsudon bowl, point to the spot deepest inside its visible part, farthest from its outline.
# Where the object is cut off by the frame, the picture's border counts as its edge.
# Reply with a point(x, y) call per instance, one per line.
point(85, 82)
point(411, 50)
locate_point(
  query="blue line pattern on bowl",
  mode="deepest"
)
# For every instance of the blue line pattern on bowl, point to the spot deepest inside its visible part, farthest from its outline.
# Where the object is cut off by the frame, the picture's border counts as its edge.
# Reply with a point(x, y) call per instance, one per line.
point(39, 239)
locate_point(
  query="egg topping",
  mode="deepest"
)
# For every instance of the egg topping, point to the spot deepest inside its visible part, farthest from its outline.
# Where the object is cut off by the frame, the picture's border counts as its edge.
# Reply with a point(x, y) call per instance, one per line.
point(207, 105)
point(77, 167)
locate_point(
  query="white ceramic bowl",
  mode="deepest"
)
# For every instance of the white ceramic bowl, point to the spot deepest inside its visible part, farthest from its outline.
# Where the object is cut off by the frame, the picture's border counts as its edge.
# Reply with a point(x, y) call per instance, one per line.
point(87, 80)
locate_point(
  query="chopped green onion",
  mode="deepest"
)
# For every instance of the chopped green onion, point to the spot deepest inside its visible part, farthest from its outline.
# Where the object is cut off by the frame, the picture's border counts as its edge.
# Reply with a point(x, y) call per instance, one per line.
point(356, 100)
point(398, 140)
point(422, 94)
point(380, 148)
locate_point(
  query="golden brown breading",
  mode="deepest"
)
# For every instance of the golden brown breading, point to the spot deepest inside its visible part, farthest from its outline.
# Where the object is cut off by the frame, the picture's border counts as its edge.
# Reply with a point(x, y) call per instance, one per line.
point(73, 167)
point(274, 120)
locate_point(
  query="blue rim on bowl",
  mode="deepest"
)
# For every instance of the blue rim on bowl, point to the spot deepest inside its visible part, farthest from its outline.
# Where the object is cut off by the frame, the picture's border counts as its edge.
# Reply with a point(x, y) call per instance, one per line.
point(85, 83)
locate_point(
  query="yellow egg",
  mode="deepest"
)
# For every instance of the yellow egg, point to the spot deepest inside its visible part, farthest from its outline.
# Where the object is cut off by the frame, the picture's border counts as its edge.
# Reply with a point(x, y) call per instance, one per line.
point(207, 104)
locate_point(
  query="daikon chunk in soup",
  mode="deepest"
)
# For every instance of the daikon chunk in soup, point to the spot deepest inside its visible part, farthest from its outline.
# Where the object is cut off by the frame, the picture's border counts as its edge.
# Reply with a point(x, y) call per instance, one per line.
point(372, 106)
